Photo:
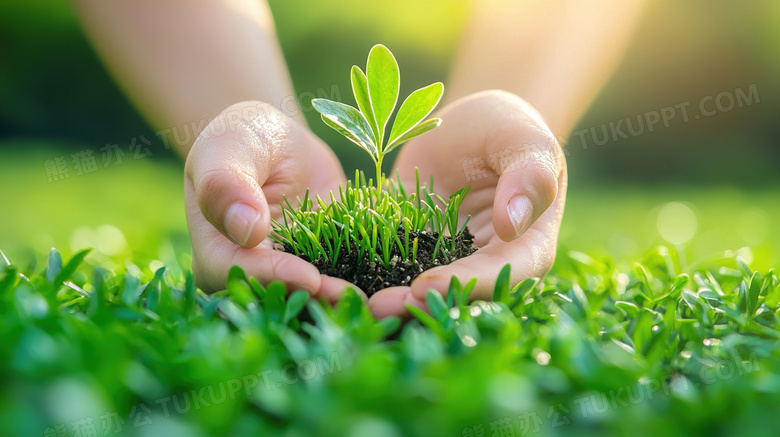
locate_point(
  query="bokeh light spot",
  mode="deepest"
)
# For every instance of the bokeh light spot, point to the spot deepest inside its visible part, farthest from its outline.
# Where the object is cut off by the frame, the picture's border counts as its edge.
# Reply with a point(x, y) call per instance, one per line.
point(752, 226)
point(677, 223)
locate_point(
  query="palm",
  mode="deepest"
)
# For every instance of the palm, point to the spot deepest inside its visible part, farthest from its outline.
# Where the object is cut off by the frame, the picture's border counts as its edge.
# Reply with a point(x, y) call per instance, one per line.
point(471, 148)
point(268, 163)
point(449, 175)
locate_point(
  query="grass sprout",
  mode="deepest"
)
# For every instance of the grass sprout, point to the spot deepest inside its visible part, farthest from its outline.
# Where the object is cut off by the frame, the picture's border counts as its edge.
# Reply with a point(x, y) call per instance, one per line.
point(364, 218)
point(375, 226)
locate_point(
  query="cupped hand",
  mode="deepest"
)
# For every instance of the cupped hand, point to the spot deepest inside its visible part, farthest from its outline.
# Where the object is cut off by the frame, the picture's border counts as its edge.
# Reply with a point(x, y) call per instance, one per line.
point(498, 144)
point(236, 175)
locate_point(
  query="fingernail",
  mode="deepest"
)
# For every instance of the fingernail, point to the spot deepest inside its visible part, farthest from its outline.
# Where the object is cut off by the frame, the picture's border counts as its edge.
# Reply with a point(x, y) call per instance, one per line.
point(240, 219)
point(519, 210)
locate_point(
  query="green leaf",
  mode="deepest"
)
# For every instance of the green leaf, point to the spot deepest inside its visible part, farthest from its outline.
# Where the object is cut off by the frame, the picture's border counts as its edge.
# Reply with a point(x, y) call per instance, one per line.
point(294, 343)
point(418, 130)
point(257, 287)
point(522, 291)
point(349, 307)
point(467, 330)
point(360, 90)
point(753, 293)
point(236, 273)
point(347, 121)
point(678, 284)
point(131, 292)
point(414, 109)
point(70, 267)
point(427, 320)
point(190, 294)
point(55, 265)
point(274, 304)
point(100, 283)
point(388, 325)
point(501, 289)
point(234, 314)
point(421, 345)
point(295, 304)
point(462, 296)
point(437, 306)
point(629, 308)
point(383, 84)
point(642, 329)
point(153, 289)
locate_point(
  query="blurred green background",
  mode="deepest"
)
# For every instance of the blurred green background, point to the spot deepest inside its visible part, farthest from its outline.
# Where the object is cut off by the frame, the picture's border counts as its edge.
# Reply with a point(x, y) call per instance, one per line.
point(710, 184)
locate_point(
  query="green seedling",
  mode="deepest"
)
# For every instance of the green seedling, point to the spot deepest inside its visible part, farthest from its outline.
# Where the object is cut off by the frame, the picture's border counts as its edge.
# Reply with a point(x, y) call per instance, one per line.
point(376, 94)
point(379, 221)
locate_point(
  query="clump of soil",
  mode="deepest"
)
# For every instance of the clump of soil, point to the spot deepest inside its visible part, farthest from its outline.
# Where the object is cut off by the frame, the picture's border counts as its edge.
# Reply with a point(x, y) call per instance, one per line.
point(373, 276)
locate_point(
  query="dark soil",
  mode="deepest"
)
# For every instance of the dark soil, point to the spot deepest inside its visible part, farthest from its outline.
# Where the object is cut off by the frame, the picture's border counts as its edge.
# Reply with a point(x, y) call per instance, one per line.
point(372, 276)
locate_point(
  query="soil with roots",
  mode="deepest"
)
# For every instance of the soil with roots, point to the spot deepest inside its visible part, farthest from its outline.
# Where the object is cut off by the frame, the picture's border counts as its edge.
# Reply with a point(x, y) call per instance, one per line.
point(372, 276)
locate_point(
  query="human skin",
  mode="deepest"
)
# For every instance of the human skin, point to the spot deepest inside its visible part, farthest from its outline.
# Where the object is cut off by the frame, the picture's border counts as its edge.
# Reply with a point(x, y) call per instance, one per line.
point(181, 61)
point(557, 55)
point(516, 204)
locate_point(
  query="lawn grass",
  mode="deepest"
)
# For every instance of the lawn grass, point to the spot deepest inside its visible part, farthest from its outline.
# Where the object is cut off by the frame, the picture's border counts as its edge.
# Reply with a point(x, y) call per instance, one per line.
point(642, 342)
point(593, 350)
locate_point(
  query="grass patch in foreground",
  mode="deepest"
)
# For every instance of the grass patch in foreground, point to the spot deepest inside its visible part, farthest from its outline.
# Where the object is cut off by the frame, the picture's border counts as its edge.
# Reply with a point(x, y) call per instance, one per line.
point(591, 351)
point(348, 237)
point(373, 240)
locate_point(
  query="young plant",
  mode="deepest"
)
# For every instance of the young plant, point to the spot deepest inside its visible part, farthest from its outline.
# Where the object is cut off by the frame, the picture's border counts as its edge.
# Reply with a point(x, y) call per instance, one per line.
point(380, 223)
point(376, 94)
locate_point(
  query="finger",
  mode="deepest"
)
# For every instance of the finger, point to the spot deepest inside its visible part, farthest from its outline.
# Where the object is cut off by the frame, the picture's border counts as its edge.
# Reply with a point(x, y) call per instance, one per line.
point(393, 301)
point(484, 265)
point(263, 263)
point(214, 255)
point(524, 154)
point(530, 255)
point(505, 151)
point(527, 187)
point(332, 289)
point(228, 169)
point(268, 265)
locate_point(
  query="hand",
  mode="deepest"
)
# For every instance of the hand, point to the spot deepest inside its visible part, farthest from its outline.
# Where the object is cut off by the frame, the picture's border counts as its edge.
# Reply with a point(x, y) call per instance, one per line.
point(498, 144)
point(236, 173)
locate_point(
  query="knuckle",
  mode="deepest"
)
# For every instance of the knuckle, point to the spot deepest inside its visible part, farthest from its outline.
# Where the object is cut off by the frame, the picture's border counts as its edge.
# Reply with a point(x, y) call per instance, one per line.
point(212, 188)
point(210, 182)
point(513, 118)
point(500, 100)
point(279, 265)
point(545, 178)
point(253, 121)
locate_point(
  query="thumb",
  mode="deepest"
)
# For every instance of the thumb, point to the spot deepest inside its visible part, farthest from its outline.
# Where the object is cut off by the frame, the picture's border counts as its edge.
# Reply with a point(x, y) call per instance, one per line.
point(228, 170)
point(527, 186)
